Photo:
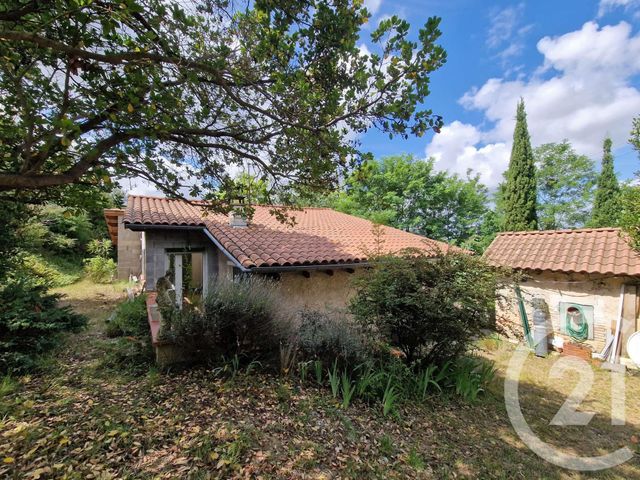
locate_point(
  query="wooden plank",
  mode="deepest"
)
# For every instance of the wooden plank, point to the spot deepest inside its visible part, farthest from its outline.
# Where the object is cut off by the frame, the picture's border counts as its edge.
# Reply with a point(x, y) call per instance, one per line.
point(629, 309)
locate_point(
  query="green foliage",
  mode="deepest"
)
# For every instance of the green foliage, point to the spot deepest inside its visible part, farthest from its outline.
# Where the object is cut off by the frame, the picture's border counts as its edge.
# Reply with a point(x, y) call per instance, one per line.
point(469, 377)
point(606, 207)
point(317, 368)
point(100, 248)
point(7, 386)
point(407, 193)
point(132, 350)
point(389, 397)
point(131, 355)
point(30, 323)
point(387, 447)
point(130, 319)
point(237, 317)
point(55, 270)
point(347, 390)
point(634, 139)
point(630, 198)
point(189, 84)
point(428, 307)
point(415, 460)
point(334, 379)
point(100, 268)
point(520, 194)
point(425, 380)
point(566, 182)
point(329, 336)
point(630, 213)
point(52, 241)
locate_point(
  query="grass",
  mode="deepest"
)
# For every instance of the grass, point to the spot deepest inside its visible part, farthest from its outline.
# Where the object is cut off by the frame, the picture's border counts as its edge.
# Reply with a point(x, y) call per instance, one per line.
point(80, 421)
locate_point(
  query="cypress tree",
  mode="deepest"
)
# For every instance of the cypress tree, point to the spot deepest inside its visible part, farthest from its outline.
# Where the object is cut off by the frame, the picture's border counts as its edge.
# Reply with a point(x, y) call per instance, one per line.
point(520, 188)
point(606, 207)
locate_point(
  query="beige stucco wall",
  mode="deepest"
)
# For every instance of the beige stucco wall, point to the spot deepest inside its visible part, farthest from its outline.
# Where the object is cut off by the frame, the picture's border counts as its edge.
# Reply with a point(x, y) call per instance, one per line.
point(318, 292)
point(601, 292)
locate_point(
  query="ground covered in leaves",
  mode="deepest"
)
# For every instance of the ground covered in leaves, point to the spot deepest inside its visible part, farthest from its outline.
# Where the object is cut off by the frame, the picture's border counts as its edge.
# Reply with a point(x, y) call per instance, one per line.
point(81, 419)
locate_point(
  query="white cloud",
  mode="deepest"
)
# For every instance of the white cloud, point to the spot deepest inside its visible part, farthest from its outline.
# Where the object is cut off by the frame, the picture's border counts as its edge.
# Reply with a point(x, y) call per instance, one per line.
point(606, 6)
point(583, 91)
point(372, 5)
point(455, 150)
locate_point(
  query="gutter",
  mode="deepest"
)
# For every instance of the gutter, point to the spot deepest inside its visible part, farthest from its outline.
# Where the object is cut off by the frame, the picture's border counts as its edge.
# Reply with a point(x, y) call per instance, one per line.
point(275, 269)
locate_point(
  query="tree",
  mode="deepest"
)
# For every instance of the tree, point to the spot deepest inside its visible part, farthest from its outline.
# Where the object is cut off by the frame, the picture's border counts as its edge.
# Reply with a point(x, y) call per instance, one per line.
point(606, 207)
point(407, 193)
point(149, 88)
point(520, 187)
point(429, 307)
point(565, 186)
point(630, 196)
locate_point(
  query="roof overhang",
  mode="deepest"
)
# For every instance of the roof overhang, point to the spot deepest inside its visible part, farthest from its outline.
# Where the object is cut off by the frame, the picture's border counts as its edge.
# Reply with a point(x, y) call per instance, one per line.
point(139, 227)
point(111, 216)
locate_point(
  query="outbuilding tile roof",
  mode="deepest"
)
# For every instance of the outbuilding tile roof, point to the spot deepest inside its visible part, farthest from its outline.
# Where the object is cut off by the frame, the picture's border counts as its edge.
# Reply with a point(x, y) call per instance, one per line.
point(319, 236)
point(597, 250)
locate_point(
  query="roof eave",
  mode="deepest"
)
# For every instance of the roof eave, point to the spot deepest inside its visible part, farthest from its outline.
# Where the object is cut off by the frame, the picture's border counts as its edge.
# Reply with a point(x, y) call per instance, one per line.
point(235, 261)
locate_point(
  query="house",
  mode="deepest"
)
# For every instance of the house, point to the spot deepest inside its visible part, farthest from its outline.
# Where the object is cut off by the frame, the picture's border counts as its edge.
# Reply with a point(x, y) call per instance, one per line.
point(312, 259)
point(588, 279)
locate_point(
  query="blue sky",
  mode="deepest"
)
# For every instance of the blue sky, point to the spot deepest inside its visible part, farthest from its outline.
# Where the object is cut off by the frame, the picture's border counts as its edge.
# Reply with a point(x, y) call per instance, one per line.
point(575, 62)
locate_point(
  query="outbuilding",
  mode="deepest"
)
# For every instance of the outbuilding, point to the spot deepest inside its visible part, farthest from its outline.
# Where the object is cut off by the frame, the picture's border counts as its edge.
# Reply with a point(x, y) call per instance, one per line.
point(587, 280)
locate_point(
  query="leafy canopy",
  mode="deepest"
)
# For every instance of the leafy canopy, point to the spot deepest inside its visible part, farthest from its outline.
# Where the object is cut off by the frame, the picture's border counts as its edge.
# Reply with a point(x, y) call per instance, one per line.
point(519, 195)
point(165, 90)
point(630, 199)
point(565, 186)
point(407, 193)
point(606, 207)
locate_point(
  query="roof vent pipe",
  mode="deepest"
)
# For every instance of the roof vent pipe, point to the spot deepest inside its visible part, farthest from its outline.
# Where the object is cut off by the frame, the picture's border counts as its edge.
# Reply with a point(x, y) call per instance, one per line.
point(238, 213)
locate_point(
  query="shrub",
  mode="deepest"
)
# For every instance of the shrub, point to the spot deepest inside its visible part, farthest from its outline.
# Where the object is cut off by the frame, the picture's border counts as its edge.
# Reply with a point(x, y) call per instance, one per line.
point(100, 269)
point(30, 323)
point(429, 308)
point(237, 317)
point(130, 319)
point(132, 351)
point(329, 337)
point(100, 248)
point(56, 271)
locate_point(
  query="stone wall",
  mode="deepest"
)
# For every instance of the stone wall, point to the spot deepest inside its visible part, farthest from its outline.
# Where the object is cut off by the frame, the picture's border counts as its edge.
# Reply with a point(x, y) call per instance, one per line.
point(129, 251)
point(603, 293)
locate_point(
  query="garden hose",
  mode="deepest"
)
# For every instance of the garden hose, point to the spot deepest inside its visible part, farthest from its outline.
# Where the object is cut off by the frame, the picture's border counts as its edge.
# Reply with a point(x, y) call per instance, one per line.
point(581, 333)
point(523, 317)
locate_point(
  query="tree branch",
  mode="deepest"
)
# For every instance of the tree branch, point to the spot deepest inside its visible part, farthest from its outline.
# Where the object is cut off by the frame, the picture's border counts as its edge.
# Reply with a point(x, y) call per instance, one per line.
point(10, 181)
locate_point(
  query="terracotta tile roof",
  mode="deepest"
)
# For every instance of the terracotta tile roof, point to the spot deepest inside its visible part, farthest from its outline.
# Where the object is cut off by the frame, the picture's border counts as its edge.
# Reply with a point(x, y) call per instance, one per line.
point(598, 250)
point(320, 235)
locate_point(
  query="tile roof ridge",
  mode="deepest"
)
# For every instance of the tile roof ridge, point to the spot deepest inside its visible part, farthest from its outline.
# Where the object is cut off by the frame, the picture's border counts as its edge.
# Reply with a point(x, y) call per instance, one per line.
point(561, 231)
point(198, 200)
